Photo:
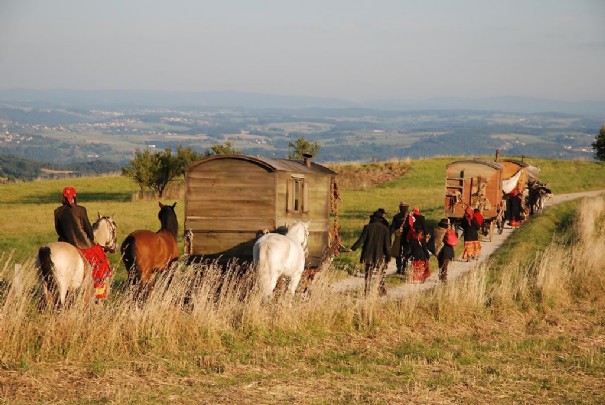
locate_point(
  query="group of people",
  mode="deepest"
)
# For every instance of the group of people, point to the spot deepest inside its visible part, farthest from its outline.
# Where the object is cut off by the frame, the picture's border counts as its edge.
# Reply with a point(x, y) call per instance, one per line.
point(406, 239)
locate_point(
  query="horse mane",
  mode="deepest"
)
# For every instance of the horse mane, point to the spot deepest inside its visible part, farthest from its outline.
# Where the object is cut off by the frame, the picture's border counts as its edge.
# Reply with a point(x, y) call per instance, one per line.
point(168, 219)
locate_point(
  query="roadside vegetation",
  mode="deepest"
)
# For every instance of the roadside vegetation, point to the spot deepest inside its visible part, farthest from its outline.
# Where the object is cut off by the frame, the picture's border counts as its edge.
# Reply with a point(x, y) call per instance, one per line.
point(524, 327)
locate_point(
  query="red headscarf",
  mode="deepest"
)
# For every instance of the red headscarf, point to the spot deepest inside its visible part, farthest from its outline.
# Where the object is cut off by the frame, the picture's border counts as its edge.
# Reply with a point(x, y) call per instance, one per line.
point(468, 214)
point(69, 194)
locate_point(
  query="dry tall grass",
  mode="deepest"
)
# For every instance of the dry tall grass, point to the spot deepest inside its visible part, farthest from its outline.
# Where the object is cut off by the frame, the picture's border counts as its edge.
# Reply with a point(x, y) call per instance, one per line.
point(208, 318)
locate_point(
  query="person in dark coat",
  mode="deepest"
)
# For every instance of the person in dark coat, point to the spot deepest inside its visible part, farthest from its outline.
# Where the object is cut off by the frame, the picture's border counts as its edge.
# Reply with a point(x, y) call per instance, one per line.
point(419, 220)
point(375, 251)
point(399, 227)
point(515, 208)
point(420, 257)
point(73, 226)
point(72, 223)
point(380, 213)
point(470, 230)
point(443, 246)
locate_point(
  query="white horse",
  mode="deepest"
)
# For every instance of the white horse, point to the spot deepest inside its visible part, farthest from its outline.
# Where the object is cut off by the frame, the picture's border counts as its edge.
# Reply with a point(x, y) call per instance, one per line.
point(61, 267)
point(276, 255)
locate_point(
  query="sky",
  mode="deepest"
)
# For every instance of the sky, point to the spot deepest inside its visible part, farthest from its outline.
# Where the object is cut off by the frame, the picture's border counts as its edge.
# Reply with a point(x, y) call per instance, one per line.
point(358, 50)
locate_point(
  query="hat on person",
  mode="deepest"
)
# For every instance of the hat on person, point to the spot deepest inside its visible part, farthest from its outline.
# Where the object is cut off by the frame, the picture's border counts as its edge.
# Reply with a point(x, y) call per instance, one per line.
point(379, 213)
point(69, 194)
point(404, 204)
point(444, 223)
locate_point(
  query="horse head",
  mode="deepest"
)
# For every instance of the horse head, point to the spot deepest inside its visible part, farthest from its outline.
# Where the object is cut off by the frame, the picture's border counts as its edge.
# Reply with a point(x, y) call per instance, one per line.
point(105, 231)
point(299, 232)
point(545, 192)
point(167, 217)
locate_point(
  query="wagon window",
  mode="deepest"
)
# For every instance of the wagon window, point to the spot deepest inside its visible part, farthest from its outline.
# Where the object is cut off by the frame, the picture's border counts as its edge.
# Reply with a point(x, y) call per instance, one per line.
point(298, 200)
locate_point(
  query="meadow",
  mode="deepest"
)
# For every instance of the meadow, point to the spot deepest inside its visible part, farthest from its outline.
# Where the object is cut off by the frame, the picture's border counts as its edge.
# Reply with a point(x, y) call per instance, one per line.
point(524, 327)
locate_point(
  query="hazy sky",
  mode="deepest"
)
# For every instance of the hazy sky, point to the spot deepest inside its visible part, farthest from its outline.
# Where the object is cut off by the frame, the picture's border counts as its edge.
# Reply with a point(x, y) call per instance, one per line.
point(350, 49)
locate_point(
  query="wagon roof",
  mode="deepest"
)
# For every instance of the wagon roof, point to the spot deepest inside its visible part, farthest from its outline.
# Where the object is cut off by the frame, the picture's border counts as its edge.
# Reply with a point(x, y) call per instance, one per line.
point(269, 164)
point(490, 163)
point(517, 162)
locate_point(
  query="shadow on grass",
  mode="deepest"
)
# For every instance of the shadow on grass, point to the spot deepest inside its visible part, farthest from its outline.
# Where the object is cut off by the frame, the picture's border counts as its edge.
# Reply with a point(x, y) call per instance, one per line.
point(83, 197)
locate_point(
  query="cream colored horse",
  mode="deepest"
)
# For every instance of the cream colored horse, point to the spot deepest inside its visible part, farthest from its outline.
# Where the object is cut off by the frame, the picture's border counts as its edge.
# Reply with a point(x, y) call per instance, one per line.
point(275, 255)
point(61, 267)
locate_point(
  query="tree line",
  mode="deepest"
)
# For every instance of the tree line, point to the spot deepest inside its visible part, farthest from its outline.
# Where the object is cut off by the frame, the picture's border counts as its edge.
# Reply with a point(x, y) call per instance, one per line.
point(155, 170)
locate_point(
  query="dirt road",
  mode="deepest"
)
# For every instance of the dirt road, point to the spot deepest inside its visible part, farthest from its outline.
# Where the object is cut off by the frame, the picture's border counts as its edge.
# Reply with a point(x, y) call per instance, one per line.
point(456, 268)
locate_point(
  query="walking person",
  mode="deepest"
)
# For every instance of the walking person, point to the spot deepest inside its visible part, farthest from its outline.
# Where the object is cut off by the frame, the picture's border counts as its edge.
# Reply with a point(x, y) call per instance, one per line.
point(470, 230)
point(399, 227)
point(515, 205)
point(443, 241)
point(73, 226)
point(380, 213)
point(375, 252)
point(420, 256)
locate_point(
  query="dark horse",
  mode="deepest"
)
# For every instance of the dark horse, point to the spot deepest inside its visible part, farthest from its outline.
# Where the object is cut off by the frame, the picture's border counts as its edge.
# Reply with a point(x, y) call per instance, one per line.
point(145, 252)
point(538, 195)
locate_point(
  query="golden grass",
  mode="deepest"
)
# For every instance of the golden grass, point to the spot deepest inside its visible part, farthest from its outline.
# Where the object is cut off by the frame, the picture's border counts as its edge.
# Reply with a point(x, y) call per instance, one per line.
point(534, 334)
point(524, 329)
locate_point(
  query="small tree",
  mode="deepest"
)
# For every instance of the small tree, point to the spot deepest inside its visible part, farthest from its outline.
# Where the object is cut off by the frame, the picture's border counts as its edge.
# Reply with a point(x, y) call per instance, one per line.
point(156, 170)
point(599, 144)
point(142, 168)
point(301, 146)
point(226, 149)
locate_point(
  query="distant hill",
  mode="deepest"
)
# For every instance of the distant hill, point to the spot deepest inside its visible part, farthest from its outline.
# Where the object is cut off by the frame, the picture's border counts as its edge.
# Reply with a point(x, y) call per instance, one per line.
point(14, 168)
point(174, 99)
point(168, 99)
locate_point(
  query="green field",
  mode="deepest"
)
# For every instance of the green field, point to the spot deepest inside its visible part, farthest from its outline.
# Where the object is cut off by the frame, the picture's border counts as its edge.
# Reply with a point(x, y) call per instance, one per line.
point(525, 328)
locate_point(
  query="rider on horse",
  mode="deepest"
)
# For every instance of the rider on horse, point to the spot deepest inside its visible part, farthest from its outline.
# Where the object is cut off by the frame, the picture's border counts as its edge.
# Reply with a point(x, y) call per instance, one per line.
point(73, 226)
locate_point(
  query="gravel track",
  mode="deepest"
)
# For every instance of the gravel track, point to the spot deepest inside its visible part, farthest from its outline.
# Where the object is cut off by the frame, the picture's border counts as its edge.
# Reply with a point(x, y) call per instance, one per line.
point(456, 268)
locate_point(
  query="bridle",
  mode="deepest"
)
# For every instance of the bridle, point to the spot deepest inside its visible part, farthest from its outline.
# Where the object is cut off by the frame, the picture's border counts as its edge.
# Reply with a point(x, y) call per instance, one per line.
point(110, 244)
point(305, 241)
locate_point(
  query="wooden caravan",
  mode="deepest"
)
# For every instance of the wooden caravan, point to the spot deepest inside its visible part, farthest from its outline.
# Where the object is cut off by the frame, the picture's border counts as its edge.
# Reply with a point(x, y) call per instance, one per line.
point(229, 199)
point(475, 183)
point(515, 174)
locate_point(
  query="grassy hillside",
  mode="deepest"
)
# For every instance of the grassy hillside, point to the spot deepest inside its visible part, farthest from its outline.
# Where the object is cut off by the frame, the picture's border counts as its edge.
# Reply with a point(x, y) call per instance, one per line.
point(27, 220)
point(523, 328)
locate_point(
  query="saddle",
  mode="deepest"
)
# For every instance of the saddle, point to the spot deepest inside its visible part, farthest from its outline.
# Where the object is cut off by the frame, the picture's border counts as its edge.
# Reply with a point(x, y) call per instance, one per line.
point(101, 270)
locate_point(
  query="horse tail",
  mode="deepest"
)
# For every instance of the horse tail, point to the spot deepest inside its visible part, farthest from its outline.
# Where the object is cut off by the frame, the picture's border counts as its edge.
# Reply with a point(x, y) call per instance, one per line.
point(129, 258)
point(46, 272)
point(262, 263)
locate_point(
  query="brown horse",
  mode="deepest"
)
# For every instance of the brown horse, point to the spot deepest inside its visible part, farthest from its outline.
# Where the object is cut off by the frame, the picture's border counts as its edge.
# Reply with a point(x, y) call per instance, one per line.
point(144, 252)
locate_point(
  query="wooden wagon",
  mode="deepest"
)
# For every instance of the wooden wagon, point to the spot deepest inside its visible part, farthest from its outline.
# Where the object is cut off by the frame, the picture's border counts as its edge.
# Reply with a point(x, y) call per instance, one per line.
point(474, 183)
point(522, 176)
point(230, 199)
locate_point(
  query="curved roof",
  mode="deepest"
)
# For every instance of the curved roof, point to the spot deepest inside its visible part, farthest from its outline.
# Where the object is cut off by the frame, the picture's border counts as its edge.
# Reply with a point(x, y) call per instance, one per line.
point(490, 163)
point(269, 164)
point(517, 162)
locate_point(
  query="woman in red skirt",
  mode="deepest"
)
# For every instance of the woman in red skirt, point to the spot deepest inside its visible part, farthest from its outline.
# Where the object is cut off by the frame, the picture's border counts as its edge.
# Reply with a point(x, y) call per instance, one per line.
point(470, 229)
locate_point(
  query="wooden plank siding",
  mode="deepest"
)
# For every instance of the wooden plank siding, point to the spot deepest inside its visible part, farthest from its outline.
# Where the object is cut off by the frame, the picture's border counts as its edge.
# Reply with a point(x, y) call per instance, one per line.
point(230, 198)
point(467, 177)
